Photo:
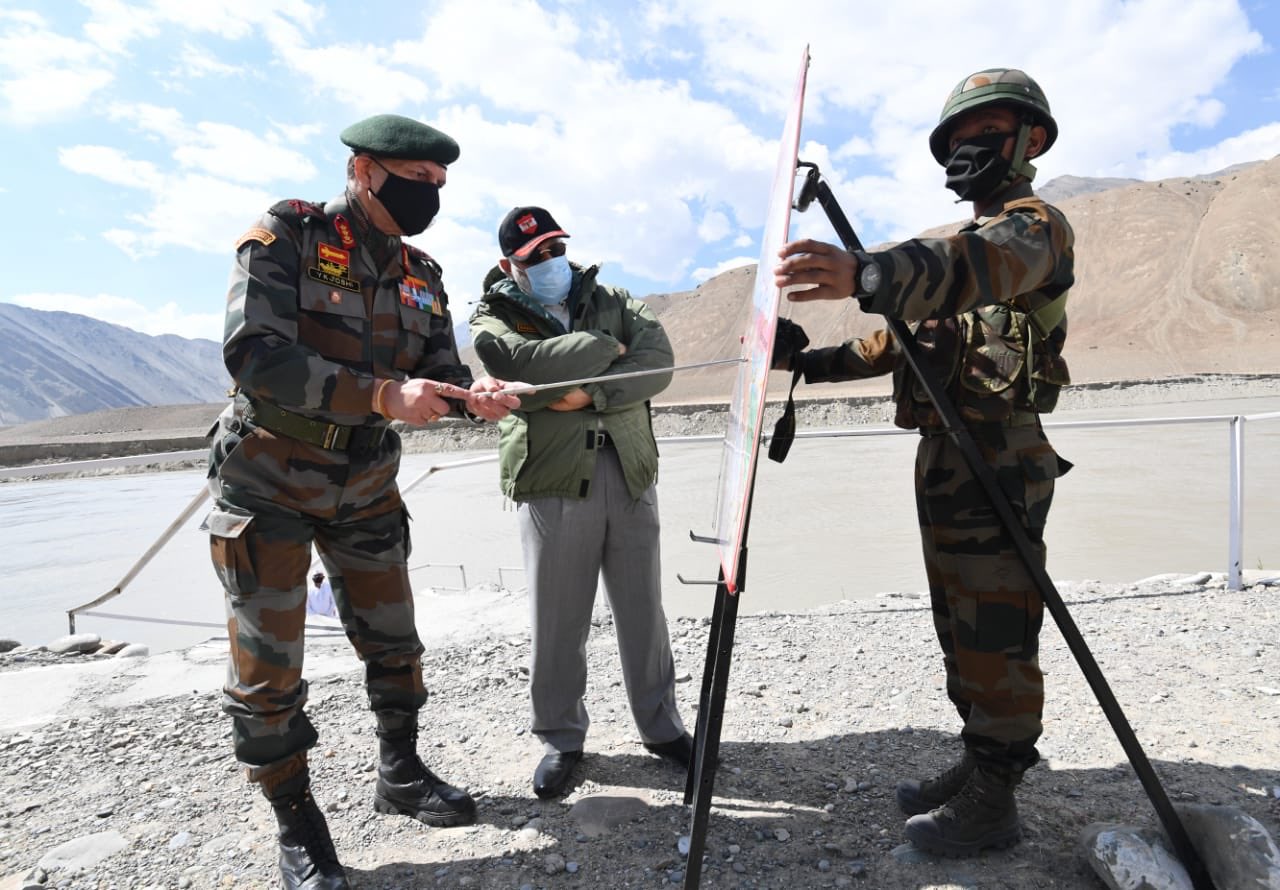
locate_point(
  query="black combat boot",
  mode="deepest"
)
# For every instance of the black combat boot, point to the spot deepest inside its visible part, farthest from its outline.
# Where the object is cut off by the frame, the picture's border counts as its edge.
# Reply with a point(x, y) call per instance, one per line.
point(921, 797)
point(307, 858)
point(983, 815)
point(407, 788)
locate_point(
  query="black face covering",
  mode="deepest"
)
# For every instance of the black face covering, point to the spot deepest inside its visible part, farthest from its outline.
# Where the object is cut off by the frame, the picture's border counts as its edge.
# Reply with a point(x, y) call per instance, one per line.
point(412, 203)
point(976, 168)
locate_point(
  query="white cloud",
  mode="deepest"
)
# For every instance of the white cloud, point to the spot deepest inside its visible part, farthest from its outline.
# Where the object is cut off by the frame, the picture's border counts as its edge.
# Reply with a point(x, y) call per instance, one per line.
point(219, 169)
point(217, 149)
point(704, 273)
point(714, 226)
point(168, 318)
point(225, 208)
point(114, 24)
point(45, 75)
point(345, 72)
point(194, 61)
point(111, 165)
point(1258, 144)
point(1122, 77)
point(225, 211)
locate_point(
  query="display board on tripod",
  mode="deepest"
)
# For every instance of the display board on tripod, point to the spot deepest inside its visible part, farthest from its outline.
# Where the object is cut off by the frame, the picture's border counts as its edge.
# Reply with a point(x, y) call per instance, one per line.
point(746, 409)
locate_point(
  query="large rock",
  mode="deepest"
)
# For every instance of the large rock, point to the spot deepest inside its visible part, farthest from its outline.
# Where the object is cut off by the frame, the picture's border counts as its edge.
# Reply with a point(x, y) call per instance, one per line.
point(134, 650)
point(7, 646)
point(1129, 858)
point(75, 643)
point(1236, 849)
point(83, 852)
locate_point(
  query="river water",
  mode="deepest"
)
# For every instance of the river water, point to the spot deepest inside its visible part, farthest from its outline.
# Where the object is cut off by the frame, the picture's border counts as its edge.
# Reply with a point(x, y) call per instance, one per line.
point(836, 521)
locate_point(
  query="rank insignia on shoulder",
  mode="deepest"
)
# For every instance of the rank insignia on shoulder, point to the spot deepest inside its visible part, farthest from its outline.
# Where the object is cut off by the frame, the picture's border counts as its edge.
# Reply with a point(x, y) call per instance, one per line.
point(257, 233)
point(344, 231)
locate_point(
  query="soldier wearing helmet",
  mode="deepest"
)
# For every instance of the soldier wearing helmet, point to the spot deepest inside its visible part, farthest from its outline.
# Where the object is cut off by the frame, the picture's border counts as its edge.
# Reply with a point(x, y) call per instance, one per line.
point(988, 305)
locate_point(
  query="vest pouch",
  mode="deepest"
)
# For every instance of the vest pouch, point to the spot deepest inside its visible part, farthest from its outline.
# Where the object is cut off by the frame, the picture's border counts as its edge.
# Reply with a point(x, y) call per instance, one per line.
point(941, 342)
point(995, 355)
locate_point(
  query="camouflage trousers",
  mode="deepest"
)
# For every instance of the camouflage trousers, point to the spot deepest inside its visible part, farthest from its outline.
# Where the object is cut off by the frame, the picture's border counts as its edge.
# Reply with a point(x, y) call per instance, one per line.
point(986, 611)
point(274, 498)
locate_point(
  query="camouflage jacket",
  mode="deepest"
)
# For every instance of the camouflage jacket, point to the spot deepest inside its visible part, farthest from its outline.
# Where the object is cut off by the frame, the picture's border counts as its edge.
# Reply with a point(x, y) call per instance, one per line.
point(989, 307)
point(552, 453)
point(321, 305)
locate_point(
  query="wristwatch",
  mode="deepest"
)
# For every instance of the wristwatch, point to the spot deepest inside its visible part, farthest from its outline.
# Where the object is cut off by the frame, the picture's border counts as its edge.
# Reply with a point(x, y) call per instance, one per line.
point(870, 276)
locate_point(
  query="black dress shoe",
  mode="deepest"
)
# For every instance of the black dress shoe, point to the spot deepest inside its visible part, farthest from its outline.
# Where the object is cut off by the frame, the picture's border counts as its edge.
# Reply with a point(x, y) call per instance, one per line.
point(679, 750)
point(553, 773)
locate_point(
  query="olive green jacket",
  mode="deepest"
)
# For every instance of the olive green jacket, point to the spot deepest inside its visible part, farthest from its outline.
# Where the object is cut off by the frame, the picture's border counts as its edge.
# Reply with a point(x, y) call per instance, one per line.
point(548, 453)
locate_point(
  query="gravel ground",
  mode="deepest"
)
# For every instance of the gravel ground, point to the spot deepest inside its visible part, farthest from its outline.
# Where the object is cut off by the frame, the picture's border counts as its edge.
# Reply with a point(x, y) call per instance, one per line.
point(826, 712)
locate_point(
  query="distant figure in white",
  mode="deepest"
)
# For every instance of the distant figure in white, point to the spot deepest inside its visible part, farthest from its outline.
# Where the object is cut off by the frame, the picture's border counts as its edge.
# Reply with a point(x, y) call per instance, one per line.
point(320, 597)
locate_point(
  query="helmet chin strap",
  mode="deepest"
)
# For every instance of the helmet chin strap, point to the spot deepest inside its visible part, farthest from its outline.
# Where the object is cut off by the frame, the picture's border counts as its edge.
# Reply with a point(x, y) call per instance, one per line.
point(1019, 165)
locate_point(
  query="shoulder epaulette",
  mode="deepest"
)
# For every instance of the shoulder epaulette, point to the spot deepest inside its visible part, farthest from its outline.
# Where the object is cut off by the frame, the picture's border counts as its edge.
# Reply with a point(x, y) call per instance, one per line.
point(423, 257)
point(299, 213)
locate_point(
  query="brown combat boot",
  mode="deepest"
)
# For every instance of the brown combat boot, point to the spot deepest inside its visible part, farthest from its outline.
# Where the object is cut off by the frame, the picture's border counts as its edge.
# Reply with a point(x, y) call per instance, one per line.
point(308, 860)
point(921, 797)
point(407, 788)
point(982, 816)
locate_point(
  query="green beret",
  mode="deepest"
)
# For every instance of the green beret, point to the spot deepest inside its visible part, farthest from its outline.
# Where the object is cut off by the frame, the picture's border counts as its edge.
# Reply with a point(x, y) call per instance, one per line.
point(396, 136)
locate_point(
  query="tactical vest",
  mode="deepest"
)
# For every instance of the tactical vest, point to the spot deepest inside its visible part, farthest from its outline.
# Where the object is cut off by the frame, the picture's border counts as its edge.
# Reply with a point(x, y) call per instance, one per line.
point(994, 361)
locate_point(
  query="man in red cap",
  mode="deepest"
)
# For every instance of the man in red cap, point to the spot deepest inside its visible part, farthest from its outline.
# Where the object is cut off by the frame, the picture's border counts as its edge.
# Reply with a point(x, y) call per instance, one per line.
point(580, 463)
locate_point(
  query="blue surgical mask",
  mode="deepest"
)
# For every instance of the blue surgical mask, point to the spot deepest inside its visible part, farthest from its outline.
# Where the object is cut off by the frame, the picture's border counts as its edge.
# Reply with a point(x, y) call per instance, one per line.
point(550, 280)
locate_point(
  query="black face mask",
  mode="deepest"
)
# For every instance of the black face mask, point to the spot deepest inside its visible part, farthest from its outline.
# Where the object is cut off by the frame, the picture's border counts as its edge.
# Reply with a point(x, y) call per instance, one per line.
point(976, 169)
point(412, 203)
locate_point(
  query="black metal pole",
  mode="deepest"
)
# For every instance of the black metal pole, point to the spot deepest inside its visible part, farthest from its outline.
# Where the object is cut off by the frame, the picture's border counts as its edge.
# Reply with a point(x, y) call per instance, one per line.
point(963, 439)
point(715, 683)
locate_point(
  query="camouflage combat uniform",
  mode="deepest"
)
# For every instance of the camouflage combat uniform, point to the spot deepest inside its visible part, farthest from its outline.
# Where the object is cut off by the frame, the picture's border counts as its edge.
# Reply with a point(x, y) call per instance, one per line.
point(321, 306)
point(1002, 365)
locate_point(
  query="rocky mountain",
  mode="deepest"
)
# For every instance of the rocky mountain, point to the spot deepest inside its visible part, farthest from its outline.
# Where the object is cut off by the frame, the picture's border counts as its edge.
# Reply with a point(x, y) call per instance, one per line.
point(58, 363)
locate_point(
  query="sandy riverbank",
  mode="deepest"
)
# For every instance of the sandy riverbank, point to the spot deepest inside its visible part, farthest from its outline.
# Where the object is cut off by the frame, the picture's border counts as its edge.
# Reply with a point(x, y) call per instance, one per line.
point(826, 711)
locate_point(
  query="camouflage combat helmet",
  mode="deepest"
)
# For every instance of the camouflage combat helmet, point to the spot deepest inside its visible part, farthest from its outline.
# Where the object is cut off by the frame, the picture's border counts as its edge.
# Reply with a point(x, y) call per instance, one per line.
point(1009, 87)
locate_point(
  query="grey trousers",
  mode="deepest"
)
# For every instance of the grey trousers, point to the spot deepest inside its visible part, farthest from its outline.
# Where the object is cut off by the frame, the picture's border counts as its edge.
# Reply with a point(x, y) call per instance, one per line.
point(568, 544)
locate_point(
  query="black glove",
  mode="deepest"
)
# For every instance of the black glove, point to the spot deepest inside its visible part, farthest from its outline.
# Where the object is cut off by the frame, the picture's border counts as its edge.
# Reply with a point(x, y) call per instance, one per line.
point(789, 341)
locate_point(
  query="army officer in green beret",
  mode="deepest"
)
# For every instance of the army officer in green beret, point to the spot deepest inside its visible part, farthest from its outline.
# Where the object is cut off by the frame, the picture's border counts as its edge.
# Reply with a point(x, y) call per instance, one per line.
point(335, 327)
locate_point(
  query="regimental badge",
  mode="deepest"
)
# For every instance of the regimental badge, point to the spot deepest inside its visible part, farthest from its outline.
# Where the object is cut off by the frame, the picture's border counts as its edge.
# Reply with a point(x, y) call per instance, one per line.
point(527, 224)
point(334, 268)
point(257, 233)
point(334, 260)
point(344, 231)
point(414, 292)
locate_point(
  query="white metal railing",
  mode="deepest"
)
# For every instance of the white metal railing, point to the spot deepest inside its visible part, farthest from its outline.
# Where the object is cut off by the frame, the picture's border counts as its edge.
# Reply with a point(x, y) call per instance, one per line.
point(1235, 450)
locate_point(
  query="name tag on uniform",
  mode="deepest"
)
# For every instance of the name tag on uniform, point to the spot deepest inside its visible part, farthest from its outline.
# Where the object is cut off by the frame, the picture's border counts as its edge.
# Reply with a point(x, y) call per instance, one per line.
point(334, 268)
point(414, 292)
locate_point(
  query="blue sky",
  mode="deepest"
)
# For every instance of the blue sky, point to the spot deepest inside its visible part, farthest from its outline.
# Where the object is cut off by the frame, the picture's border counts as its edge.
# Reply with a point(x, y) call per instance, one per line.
point(141, 139)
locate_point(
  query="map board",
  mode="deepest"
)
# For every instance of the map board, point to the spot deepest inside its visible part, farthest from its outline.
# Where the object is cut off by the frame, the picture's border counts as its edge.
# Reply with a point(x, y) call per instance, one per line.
point(746, 409)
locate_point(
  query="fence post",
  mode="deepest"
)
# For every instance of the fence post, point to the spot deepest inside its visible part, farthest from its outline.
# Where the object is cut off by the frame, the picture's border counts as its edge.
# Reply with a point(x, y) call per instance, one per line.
point(1235, 555)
